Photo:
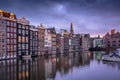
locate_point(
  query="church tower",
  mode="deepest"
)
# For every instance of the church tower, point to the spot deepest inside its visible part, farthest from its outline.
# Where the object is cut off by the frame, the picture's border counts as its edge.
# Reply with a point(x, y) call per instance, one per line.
point(71, 29)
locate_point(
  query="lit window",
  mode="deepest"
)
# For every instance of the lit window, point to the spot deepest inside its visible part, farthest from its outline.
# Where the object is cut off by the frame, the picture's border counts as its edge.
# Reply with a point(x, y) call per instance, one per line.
point(27, 39)
point(23, 39)
point(19, 39)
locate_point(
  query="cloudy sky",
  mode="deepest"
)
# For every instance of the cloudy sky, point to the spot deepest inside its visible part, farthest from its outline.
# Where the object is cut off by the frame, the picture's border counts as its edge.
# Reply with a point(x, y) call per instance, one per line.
point(88, 16)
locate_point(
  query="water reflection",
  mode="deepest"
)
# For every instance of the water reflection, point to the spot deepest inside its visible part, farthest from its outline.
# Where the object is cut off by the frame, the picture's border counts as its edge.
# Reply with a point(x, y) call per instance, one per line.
point(55, 68)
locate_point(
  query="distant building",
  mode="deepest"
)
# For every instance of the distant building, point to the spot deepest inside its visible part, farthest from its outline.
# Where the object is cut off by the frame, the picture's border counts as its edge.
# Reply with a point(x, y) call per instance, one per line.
point(58, 43)
point(85, 41)
point(98, 42)
point(66, 41)
point(112, 39)
point(74, 43)
point(41, 39)
point(62, 41)
point(7, 35)
point(33, 41)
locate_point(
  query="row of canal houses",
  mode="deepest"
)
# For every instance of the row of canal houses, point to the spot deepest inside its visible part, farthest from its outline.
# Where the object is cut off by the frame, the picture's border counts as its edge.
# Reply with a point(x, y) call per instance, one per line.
point(19, 38)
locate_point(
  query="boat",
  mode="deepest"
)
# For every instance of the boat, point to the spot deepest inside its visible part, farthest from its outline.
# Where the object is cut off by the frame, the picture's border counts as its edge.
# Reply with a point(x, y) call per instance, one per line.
point(115, 57)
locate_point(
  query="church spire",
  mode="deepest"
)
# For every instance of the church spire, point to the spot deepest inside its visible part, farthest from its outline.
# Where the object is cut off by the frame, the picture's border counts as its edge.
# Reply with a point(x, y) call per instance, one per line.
point(71, 29)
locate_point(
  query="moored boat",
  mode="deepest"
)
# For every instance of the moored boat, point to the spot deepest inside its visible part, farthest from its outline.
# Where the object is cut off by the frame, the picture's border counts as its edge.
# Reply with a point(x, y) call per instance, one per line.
point(112, 56)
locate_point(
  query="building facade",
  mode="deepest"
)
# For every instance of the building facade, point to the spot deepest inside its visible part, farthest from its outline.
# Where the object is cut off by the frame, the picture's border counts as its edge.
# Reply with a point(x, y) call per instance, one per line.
point(48, 42)
point(85, 41)
point(98, 42)
point(8, 35)
point(58, 42)
point(23, 37)
point(53, 36)
point(2, 36)
point(41, 39)
point(66, 41)
point(74, 43)
point(33, 41)
point(112, 39)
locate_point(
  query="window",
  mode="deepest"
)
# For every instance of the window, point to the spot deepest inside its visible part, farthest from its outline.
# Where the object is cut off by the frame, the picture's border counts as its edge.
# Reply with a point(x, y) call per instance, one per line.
point(8, 23)
point(14, 53)
point(14, 29)
point(3, 22)
point(23, 46)
point(23, 32)
point(26, 27)
point(8, 47)
point(19, 38)
point(14, 47)
point(3, 40)
point(23, 27)
point(14, 24)
point(19, 31)
point(26, 31)
point(27, 39)
point(8, 29)
point(14, 41)
point(19, 26)
point(14, 35)
point(23, 39)
point(8, 35)
point(0, 21)
point(19, 46)
point(8, 41)
point(19, 52)
point(26, 46)
point(114, 41)
point(108, 45)
point(108, 41)
point(114, 45)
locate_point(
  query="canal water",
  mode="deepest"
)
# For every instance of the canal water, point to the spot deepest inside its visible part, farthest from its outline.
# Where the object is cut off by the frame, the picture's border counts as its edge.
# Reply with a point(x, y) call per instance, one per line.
point(76, 66)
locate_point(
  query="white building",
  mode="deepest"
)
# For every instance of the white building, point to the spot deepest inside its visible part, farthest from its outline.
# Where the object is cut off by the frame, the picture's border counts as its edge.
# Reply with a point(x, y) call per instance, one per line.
point(98, 42)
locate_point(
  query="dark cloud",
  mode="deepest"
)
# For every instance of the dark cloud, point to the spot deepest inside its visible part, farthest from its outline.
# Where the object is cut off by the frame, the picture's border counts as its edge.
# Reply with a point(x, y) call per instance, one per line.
point(87, 15)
